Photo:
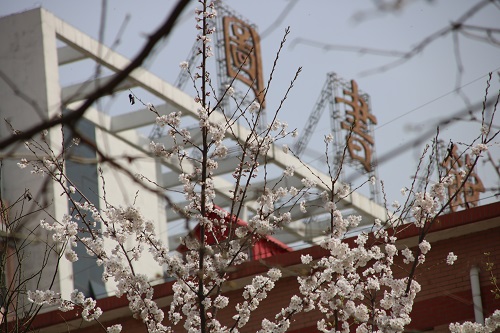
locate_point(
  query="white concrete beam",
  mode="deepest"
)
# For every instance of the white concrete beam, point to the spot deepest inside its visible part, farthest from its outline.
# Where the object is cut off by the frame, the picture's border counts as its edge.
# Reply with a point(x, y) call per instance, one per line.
point(79, 91)
point(67, 55)
point(139, 118)
point(185, 103)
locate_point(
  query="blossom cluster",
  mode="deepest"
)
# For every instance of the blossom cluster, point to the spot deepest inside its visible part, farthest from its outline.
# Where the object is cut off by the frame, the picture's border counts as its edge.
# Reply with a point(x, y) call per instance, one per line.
point(89, 312)
point(340, 282)
point(491, 324)
point(121, 225)
point(338, 285)
point(254, 293)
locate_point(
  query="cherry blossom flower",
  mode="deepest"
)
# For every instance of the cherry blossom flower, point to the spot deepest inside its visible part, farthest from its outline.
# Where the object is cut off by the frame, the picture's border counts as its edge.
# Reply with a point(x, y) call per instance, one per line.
point(479, 148)
point(255, 106)
point(451, 258)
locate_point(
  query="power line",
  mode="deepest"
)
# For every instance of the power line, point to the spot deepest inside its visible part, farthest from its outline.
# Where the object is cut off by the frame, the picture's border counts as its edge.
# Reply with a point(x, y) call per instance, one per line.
point(434, 100)
point(429, 133)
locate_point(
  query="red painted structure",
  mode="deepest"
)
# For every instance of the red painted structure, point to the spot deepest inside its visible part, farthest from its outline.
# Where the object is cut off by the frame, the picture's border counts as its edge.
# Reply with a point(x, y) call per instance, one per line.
point(263, 247)
point(446, 290)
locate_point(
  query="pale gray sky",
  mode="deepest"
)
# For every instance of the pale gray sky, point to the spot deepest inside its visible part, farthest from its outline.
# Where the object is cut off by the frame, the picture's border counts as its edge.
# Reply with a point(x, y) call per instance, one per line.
point(406, 100)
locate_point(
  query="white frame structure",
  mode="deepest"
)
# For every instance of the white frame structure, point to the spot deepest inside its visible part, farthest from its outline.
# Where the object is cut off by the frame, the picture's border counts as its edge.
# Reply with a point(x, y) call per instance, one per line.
point(79, 46)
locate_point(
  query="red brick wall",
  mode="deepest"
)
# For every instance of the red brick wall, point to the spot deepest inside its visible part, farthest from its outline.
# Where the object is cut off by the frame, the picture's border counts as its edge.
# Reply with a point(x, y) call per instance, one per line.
point(445, 296)
point(446, 291)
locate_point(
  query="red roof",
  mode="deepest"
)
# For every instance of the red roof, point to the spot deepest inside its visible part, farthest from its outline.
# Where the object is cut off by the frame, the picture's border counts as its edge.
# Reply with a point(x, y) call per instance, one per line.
point(262, 247)
point(470, 220)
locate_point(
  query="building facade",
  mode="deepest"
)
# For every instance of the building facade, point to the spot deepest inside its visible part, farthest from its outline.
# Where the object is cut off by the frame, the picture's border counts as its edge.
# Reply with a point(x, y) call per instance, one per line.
point(34, 57)
point(42, 57)
point(460, 292)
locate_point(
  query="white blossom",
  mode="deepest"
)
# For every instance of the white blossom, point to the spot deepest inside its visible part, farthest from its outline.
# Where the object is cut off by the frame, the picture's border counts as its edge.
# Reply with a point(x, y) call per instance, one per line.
point(286, 217)
point(229, 90)
point(221, 302)
point(391, 250)
point(255, 106)
point(308, 182)
point(329, 138)
point(408, 254)
point(71, 255)
point(241, 232)
point(451, 258)
point(41, 297)
point(302, 207)
point(330, 206)
point(306, 259)
point(77, 297)
point(274, 274)
point(403, 191)
point(339, 283)
point(23, 163)
point(424, 246)
point(173, 119)
point(221, 151)
point(484, 129)
point(158, 149)
point(117, 328)
point(477, 149)
point(438, 190)
point(289, 171)
point(491, 324)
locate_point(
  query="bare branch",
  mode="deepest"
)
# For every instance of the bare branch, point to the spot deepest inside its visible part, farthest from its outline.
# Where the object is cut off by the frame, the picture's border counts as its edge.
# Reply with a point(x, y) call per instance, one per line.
point(107, 89)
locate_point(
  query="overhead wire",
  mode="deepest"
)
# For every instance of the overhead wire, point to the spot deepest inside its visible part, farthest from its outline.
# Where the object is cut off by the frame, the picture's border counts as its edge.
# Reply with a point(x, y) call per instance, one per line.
point(434, 100)
point(429, 133)
point(452, 118)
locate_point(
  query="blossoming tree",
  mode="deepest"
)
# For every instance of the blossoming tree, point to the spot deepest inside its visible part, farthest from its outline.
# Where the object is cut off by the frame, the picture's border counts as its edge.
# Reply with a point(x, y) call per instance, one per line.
point(354, 287)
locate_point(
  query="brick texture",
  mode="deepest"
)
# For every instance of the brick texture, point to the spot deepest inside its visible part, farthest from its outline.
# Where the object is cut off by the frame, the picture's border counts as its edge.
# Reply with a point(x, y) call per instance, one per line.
point(445, 297)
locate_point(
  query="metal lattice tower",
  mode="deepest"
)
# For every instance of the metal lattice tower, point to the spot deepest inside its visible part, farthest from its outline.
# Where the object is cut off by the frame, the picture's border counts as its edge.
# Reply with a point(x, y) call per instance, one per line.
point(158, 131)
point(334, 87)
point(223, 79)
point(63, 45)
point(326, 97)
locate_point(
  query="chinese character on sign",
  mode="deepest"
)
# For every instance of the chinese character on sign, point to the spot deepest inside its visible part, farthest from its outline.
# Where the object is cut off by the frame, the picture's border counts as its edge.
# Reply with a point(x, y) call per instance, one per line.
point(360, 141)
point(242, 48)
point(468, 195)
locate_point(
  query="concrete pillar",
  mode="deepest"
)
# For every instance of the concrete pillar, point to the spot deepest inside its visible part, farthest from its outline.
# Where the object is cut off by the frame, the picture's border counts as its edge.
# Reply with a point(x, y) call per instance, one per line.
point(30, 94)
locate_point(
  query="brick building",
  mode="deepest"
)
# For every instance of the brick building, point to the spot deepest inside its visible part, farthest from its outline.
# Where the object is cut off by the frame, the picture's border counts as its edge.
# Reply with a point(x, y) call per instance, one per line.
point(446, 296)
point(49, 59)
point(41, 53)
